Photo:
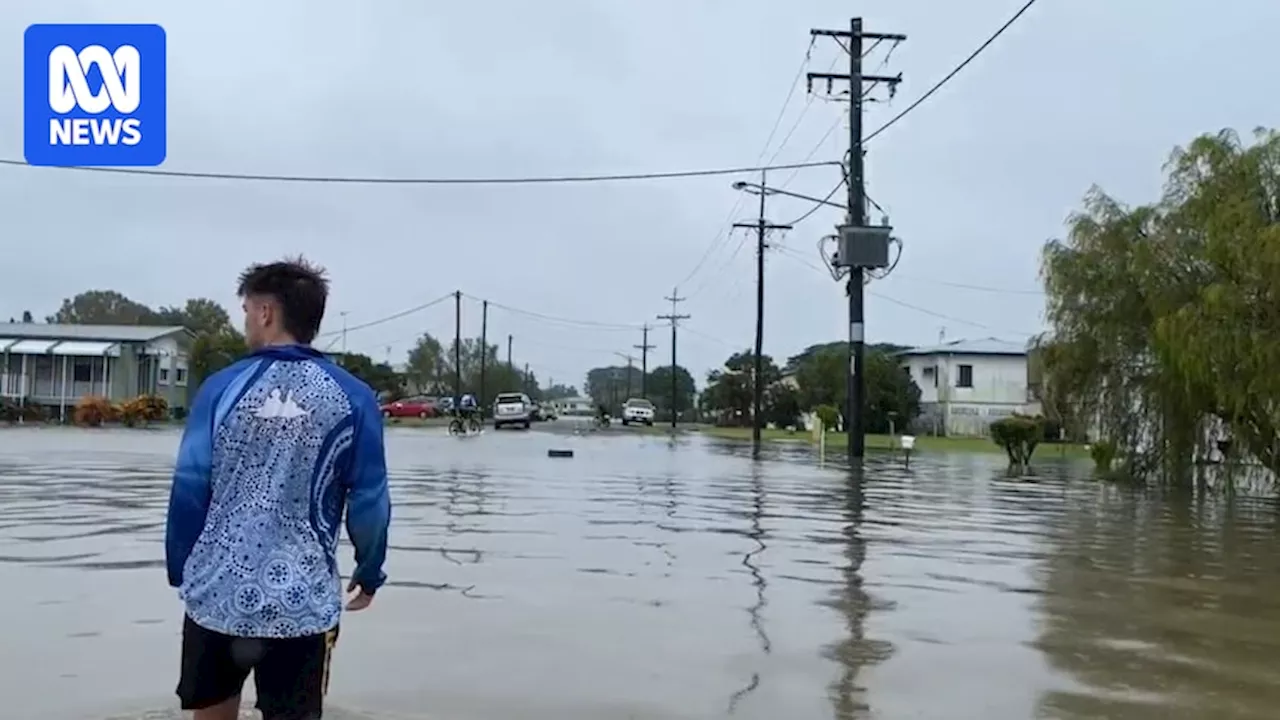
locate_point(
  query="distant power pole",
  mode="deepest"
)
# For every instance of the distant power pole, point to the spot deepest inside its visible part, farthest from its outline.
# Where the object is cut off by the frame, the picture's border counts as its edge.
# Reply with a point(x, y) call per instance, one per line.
point(675, 319)
point(344, 332)
point(484, 351)
point(457, 348)
point(861, 247)
point(644, 347)
point(762, 227)
point(527, 385)
point(509, 352)
point(631, 368)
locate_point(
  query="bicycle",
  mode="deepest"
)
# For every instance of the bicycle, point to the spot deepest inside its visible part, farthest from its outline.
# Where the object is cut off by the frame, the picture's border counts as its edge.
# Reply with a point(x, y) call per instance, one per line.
point(465, 425)
point(602, 422)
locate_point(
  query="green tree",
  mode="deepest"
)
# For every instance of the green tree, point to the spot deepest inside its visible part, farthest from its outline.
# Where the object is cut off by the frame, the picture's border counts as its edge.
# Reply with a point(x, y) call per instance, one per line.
point(609, 384)
point(103, 307)
point(425, 368)
point(26, 317)
point(210, 352)
point(1163, 316)
point(660, 391)
point(199, 315)
point(385, 381)
point(558, 391)
point(730, 389)
point(891, 400)
point(782, 405)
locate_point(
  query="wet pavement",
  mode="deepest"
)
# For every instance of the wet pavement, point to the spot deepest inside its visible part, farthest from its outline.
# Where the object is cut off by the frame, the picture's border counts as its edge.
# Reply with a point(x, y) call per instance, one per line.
point(646, 578)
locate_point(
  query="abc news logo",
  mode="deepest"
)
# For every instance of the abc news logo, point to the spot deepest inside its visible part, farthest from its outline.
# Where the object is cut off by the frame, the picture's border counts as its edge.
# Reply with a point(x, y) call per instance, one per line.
point(121, 90)
point(94, 95)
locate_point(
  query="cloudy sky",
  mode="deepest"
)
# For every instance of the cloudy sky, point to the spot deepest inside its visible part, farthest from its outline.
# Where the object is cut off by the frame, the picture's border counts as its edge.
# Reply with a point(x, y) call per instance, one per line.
point(1077, 92)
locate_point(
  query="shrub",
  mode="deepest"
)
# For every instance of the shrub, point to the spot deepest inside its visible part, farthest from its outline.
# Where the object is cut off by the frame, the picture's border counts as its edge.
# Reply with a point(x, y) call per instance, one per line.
point(9, 411)
point(94, 410)
point(33, 413)
point(1018, 435)
point(1103, 453)
point(829, 416)
point(144, 409)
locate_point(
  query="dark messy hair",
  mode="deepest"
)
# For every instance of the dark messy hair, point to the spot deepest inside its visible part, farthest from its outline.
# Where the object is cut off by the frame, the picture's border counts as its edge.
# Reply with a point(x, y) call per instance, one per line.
point(299, 288)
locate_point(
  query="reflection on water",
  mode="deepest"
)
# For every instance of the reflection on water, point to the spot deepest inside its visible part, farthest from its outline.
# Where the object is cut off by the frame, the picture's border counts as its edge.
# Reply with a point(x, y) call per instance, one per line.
point(651, 578)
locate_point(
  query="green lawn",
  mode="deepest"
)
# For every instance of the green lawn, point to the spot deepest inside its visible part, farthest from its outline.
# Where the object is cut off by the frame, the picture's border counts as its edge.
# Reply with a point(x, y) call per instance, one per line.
point(924, 443)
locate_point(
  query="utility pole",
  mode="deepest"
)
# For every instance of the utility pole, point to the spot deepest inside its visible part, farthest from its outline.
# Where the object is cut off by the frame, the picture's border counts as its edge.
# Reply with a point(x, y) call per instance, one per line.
point(344, 332)
point(675, 319)
point(526, 378)
point(457, 348)
point(509, 352)
point(861, 247)
point(631, 368)
point(484, 352)
point(644, 347)
point(762, 227)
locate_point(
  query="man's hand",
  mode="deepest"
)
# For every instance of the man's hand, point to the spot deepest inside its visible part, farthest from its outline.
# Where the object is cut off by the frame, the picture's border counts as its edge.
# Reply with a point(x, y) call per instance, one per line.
point(359, 600)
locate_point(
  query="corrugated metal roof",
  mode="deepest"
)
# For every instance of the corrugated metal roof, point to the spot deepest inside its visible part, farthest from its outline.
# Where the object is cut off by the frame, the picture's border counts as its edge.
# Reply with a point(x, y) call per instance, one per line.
point(111, 333)
point(982, 346)
point(83, 348)
point(31, 347)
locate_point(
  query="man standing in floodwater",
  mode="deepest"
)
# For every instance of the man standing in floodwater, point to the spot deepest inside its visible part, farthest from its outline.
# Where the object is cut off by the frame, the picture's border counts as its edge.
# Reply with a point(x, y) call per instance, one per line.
point(276, 446)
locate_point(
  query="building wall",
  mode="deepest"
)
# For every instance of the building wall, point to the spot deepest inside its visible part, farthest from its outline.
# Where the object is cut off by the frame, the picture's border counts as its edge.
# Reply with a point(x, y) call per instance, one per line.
point(166, 363)
point(999, 389)
point(136, 371)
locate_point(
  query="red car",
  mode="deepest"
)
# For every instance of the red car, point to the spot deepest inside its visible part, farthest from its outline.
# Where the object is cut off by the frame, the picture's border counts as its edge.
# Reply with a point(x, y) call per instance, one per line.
point(419, 407)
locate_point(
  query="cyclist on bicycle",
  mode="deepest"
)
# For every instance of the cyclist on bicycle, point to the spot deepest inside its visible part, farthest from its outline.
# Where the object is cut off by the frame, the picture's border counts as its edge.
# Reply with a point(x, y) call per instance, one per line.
point(602, 414)
point(468, 407)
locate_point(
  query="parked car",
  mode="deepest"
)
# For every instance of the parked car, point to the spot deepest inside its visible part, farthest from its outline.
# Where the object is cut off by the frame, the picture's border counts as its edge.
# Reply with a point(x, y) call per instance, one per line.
point(512, 409)
point(637, 410)
point(419, 407)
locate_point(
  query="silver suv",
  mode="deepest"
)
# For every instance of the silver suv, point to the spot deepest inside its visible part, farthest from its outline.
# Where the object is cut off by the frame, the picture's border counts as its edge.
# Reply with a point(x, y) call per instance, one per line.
point(512, 409)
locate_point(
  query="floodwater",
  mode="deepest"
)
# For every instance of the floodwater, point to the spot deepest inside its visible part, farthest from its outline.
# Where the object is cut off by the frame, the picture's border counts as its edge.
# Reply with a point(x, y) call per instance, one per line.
point(646, 579)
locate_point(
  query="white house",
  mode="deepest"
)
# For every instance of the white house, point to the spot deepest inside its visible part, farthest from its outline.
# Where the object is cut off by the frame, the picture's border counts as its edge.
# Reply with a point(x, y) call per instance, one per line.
point(965, 385)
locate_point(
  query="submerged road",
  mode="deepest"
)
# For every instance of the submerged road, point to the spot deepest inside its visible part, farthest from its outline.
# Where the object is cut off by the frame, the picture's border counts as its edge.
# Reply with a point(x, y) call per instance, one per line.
point(650, 578)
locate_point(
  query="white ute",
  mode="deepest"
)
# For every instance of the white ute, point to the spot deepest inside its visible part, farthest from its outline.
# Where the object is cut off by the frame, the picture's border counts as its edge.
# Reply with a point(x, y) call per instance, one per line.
point(637, 410)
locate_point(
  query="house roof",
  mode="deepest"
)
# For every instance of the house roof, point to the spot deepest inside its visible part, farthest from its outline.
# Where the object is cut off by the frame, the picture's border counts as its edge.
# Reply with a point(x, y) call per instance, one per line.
point(982, 346)
point(111, 333)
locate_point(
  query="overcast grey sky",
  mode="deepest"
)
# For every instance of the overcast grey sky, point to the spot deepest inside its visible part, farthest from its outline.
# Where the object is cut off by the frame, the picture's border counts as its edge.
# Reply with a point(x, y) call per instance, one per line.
point(1077, 92)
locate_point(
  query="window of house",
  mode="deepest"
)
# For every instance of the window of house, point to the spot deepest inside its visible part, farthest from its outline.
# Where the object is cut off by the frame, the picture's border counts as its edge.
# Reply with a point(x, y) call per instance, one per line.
point(164, 375)
point(930, 373)
point(966, 376)
point(83, 370)
point(181, 376)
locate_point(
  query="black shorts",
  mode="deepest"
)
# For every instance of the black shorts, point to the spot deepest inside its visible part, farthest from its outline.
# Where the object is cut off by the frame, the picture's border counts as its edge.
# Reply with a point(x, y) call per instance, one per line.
point(290, 674)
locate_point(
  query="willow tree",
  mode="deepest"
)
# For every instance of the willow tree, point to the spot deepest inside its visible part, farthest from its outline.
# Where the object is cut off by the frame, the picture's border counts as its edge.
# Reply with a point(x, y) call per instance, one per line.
point(1165, 322)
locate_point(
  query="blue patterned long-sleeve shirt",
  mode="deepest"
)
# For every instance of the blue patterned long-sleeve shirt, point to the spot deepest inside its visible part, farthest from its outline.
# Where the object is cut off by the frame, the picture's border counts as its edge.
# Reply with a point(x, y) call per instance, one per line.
point(276, 446)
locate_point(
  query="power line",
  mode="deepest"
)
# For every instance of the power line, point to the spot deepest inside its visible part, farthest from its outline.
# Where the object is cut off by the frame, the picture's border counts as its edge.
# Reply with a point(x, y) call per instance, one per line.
point(388, 318)
point(915, 104)
point(947, 78)
point(556, 319)
point(799, 257)
point(724, 231)
point(351, 180)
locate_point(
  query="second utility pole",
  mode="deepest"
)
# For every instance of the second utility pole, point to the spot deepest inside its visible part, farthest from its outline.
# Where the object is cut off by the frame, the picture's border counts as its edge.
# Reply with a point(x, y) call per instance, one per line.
point(457, 348)
point(762, 227)
point(675, 319)
point(484, 352)
point(644, 347)
point(855, 423)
